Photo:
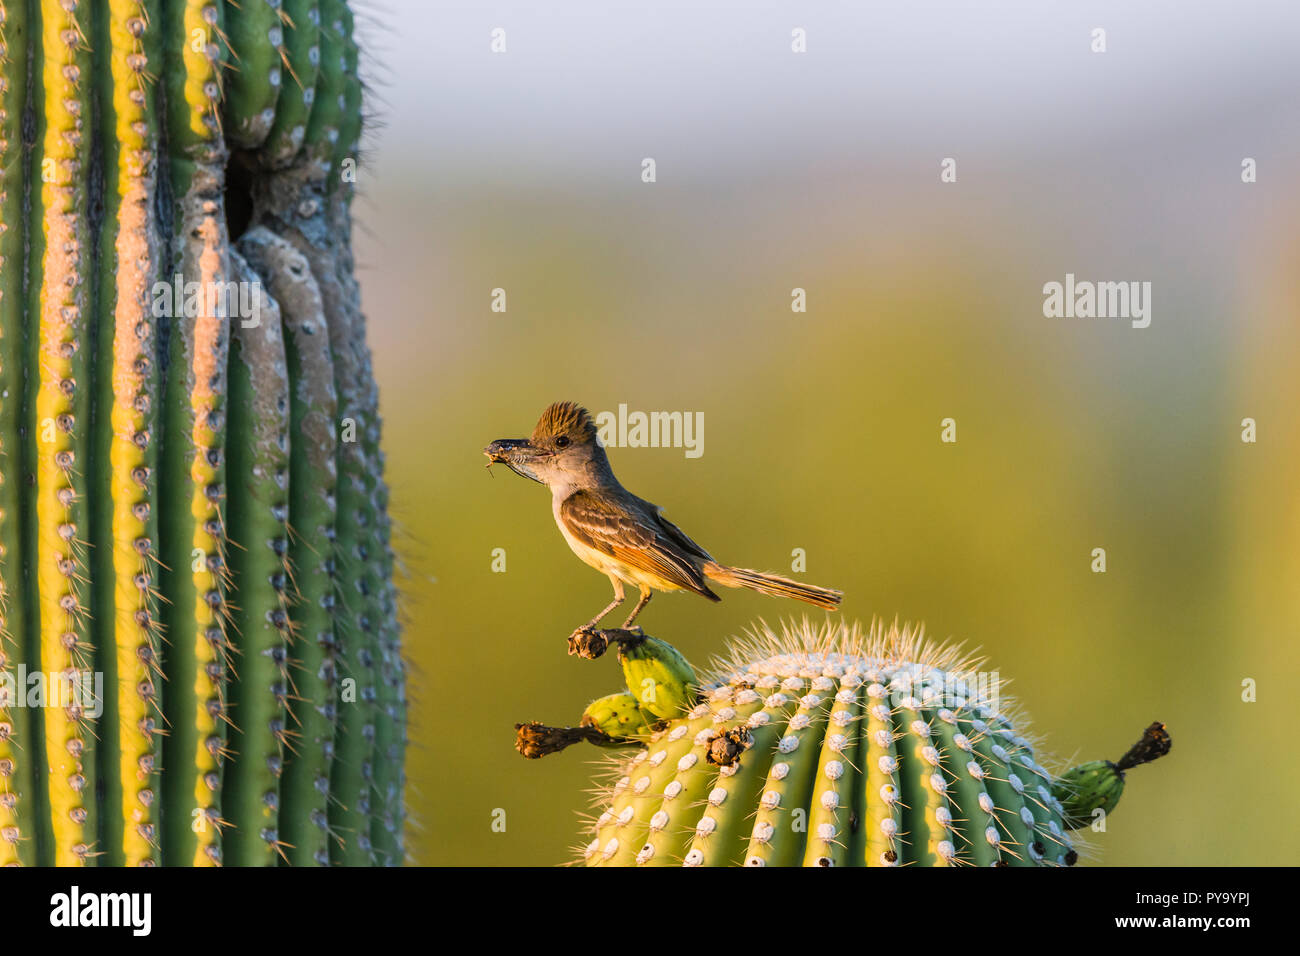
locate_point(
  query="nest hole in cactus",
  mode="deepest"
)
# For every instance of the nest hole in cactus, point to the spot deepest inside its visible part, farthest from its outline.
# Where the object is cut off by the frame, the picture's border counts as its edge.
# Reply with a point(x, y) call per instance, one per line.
point(241, 173)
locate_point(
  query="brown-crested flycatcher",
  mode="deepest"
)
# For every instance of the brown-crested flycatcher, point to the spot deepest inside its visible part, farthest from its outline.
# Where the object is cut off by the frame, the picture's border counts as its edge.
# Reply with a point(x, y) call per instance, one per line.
point(616, 532)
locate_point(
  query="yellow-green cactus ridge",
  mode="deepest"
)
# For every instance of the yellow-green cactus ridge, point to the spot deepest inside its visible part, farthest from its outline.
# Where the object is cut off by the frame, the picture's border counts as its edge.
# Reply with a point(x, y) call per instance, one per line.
point(194, 541)
point(63, 282)
point(132, 255)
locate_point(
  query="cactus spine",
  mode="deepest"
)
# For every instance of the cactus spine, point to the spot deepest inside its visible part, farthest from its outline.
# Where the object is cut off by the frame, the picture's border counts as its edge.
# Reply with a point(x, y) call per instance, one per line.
point(192, 504)
point(830, 747)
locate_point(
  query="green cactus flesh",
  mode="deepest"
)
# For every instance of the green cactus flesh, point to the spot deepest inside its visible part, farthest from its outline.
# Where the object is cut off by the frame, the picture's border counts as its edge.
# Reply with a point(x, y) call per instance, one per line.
point(192, 502)
point(823, 747)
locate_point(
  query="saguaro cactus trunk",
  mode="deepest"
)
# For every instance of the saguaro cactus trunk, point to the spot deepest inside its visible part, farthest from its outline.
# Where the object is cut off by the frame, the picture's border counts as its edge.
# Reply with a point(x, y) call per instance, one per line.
point(199, 652)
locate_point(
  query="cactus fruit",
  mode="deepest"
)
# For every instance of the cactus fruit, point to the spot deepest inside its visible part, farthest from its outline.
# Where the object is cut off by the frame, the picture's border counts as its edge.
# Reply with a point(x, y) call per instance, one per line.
point(1096, 786)
point(617, 718)
point(657, 674)
point(192, 501)
point(830, 747)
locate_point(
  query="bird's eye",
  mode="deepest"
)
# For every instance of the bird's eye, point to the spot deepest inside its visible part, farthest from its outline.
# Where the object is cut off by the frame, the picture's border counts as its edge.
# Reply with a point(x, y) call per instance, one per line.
point(562, 441)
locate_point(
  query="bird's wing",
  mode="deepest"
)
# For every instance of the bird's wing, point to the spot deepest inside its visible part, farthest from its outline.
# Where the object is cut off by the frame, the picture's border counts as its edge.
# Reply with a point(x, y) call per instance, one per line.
point(633, 538)
point(678, 535)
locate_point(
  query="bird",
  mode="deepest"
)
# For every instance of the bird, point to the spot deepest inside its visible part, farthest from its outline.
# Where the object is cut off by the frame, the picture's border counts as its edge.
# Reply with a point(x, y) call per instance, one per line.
point(619, 534)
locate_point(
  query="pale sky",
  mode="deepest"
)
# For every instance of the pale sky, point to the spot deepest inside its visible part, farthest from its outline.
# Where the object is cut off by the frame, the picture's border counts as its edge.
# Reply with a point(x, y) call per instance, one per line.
point(716, 84)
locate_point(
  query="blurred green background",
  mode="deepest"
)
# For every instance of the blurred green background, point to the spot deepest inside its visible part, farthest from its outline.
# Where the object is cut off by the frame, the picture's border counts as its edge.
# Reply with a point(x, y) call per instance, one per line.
point(822, 429)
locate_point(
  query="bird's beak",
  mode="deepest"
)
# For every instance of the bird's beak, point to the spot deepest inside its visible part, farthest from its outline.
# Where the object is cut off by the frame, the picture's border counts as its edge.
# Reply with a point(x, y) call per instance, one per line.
point(516, 454)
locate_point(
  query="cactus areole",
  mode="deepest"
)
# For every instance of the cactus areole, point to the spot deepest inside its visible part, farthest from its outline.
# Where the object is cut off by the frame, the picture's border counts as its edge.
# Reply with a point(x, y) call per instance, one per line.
point(827, 746)
point(199, 656)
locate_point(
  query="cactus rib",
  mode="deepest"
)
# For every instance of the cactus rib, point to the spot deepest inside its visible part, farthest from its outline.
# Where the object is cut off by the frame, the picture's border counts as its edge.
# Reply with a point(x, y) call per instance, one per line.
point(62, 412)
point(312, 515)
point(300, 21)
point(622, 828)
point(255, 35)
point(829, 826)
point(18, 766)
point(193, 469)
point(387, 778)
point(257, 465)
point(778, 835)
point(126, 436)
point(723, 841)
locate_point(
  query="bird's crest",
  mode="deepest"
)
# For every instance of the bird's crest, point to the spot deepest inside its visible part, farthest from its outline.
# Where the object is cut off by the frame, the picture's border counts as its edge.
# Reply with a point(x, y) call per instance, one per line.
point(565, 418)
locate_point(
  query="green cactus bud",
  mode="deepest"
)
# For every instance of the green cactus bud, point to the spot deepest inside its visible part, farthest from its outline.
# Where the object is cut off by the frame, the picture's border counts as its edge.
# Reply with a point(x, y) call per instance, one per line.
point(662, 681)
point(1098, 784)
point(834, 747)
point(1082, 790)
point(185, 510)
point(617, 716)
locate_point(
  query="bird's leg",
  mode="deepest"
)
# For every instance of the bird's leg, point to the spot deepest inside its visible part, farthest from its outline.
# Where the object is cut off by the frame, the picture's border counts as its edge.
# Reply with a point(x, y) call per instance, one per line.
point(645, 599)
point(587, 641)
point(619, 598)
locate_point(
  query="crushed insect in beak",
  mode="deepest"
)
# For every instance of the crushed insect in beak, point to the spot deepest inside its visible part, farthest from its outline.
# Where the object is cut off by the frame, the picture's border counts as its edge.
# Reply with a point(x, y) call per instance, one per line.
point(515, 454)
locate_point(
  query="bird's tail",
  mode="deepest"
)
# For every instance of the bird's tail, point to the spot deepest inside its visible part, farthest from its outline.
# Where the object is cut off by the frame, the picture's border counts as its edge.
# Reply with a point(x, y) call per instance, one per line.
point(772, 584)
